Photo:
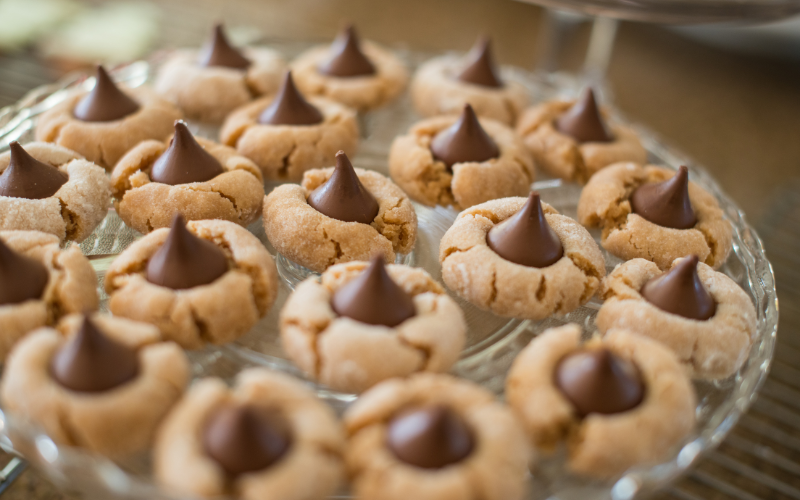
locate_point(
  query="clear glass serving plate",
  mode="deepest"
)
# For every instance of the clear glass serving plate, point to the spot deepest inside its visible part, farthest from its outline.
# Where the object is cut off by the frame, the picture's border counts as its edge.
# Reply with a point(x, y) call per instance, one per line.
point(492, 344)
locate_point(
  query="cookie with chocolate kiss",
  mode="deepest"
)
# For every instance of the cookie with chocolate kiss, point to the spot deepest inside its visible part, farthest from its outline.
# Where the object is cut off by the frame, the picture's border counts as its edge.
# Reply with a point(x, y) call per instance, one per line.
point(583, 120)
point(346, 59)
point(526, 238)
point(185, 161)
point(480, 68)
point(21, 278)
point(430, 437)
point(343, 197)
point(27, 177)
point(464, 141)
point(290, 107)
point(219, 52)
point(105, 102)
point(666, 203)
point(680, 291)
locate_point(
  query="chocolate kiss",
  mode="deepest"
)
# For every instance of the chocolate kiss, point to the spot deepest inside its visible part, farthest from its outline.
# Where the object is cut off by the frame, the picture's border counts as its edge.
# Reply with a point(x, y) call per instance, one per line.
point(219, 52)
point(185, 161)
point(464, 141)
point(106, 102)
point(598, 381)
point(290, 107)
point(27, 177)
point(430, 437)
point(244, 438)
point(480, 69)
point(680, 291)
point(90, 361)
point(666, 203)
point(346, 59)
point(526, 238)
point(343, 197)
point(21, 278)
point(184, 260)
point(583, 121)
point(374, 298)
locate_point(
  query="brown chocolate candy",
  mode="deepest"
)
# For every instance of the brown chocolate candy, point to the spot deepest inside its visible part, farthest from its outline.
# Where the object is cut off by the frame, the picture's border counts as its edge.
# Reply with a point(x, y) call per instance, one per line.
point(245, 438)
point(666, 203)
point(184, 260)
point(464, 141)
point(345, 59)
point(583, 121)
point(185, 161)
point(680, 291)
point(106, 102)
point(219, 52)
point(430, 437)
point(90, 361)
point(343, 197)
point(526, 238)
point(374, 298)
point(290, 107)
point(27, 177)
point(599, 381)
point(479, 68)
point(21, 278)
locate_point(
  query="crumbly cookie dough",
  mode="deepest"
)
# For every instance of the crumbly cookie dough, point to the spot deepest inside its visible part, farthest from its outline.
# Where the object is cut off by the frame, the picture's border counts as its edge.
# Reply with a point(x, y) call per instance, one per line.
point(114, 423)
point(360, 92)
point(285, 152)
point(315, 452)
point(317, 241)
point(430, 182)
point(104, 143)
point(351, 356)
point(208, 94)
point(602, 446)
point(480, 276)
point(605, 203)
point(562, 156)
point(219, 312)
point(74, 211)
point(711, 349)
point(495, 470)
point(71, 287)
point(144, 205)
point(435, 90)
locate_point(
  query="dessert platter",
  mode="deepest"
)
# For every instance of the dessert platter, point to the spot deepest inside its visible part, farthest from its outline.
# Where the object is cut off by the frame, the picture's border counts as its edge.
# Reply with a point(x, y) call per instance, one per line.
point(363, 273)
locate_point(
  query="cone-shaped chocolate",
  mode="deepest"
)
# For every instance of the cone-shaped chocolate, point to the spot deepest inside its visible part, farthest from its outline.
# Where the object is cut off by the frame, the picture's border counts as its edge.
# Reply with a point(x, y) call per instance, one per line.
point(345, 58)
point(374, 298)
point(245, 438)
point(480, 69)
point(219, 52)
point(184, 161)
point(430, 437)
point(666, 203)
point(343, 197)
point(106, 102)
point(526, 238)
point(184, 260)
point(598, 381)
point(27, 177)
point(21, 278)
point(583, 121)
point(464, 141)
point(680, 291)
point(290, 107)
point(90, 361)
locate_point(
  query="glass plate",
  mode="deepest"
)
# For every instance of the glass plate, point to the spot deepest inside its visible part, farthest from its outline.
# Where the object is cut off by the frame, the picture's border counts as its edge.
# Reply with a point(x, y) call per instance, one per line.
point(492, 342)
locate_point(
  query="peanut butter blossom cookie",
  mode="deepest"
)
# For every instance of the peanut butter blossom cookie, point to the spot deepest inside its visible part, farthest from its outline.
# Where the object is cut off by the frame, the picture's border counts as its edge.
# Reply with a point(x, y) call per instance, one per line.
point(616, 402)
point(103, 124)
point(573, 140)
point(209, 282)
point(361, 76)
point(520, 258)
point(286, 134)
point(267, 438)
point(460, 161)
point(195, 177)
point(444, 84)
point(655, 213)
point(210, 83)
point(99, 382)
point(362, 323)
point(702, 315)
point(339, 214)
